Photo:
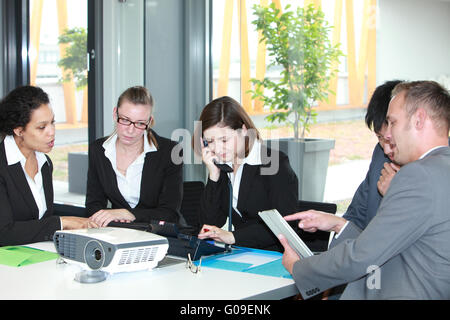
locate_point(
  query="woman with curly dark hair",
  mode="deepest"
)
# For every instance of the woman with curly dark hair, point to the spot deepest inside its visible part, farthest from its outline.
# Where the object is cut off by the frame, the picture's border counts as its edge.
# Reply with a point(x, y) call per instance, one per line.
point(26, 191)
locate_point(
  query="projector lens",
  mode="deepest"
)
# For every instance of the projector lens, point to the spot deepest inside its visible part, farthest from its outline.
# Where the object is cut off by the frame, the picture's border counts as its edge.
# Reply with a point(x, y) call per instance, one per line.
point(98, 255)
point(94, 255)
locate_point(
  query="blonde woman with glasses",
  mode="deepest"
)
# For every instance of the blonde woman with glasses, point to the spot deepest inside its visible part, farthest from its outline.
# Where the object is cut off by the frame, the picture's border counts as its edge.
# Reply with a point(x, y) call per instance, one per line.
point(132, 169)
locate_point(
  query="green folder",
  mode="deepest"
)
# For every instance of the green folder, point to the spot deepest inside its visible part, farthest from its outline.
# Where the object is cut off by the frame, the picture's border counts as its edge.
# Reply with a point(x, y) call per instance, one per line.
point(18, 256)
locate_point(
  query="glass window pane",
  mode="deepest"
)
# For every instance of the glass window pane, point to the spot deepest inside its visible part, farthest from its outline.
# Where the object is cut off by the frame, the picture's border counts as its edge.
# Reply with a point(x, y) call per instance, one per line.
point(58, 64)
point(371, 34)
point(1, 53)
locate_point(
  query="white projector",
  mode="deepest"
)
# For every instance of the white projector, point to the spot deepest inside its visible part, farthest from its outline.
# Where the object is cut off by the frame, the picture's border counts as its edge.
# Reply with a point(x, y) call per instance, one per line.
point(110, 249)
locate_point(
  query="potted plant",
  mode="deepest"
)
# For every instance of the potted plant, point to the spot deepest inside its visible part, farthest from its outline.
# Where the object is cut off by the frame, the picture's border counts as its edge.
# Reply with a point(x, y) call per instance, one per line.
point(298, 42)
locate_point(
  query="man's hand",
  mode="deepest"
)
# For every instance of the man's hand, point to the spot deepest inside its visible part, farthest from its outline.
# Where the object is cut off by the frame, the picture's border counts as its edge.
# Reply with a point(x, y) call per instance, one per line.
point(387, 173)
point(290, 257)
point(313, 220)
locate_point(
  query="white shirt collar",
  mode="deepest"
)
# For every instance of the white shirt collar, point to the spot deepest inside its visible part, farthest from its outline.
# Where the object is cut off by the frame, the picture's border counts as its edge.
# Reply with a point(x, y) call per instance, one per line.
point(429, 151)
point(110, 149)
point(14, 155)
point(110, 145)
point(254, 156)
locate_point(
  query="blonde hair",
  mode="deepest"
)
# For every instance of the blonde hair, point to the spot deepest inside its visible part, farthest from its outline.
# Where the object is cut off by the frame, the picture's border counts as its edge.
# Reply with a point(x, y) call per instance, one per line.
point(139, 95)
point(429, 95)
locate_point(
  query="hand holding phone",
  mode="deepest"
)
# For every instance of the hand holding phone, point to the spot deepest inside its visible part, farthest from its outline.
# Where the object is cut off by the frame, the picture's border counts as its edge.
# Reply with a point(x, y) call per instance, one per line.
point(222, 166)
point(209, 158)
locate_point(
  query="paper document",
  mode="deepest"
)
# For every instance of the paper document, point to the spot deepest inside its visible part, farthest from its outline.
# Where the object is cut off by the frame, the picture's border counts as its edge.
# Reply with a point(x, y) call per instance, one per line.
point(249, 258)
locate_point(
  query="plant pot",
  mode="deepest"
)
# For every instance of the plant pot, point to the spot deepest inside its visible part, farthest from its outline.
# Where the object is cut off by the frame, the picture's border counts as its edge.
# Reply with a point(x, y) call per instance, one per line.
point(78, 163)
point(309, 160)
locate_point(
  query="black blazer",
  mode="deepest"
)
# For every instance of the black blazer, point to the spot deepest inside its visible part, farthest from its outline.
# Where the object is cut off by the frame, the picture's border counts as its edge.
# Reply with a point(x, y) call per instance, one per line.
point(257, 192)
point(19, 214)
point(161, 184)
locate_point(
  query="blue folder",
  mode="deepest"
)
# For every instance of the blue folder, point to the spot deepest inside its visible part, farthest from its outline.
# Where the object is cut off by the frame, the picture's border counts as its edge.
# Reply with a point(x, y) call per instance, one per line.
point(273, 268)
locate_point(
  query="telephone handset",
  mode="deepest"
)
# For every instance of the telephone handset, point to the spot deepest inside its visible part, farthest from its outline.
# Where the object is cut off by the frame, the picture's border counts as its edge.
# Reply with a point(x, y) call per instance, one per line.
point(222, 166)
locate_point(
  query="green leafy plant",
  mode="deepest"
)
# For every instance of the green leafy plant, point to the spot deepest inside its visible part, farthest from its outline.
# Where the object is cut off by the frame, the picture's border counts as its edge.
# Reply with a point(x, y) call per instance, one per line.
point(74, 60)
point(298, 42)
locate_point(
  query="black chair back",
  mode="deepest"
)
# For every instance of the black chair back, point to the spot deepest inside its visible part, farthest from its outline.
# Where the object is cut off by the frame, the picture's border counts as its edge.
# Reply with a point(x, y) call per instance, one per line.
point(192, 191)
point(316, 241)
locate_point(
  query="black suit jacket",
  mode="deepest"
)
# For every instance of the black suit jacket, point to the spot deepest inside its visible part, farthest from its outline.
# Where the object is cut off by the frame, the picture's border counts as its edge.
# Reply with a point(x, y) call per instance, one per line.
point(257, 192)
point(161, 184)
point(19, 214)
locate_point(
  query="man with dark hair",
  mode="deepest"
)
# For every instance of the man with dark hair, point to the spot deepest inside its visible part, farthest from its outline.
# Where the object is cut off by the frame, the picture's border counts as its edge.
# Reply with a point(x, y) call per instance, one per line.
point(403, 252)
point(367, 198)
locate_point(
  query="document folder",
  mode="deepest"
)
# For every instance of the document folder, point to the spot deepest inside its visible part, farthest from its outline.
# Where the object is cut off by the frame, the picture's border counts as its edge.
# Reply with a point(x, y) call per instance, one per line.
point(241, 259)
point(18, 256)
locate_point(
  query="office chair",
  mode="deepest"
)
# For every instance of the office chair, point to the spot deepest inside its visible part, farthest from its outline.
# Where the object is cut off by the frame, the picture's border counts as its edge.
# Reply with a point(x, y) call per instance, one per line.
point(65, 210)
point(192, 190)
point(316, 241)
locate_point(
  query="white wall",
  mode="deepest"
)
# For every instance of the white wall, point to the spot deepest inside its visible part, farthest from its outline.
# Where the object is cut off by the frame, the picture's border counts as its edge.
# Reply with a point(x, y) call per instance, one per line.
point(413, 39)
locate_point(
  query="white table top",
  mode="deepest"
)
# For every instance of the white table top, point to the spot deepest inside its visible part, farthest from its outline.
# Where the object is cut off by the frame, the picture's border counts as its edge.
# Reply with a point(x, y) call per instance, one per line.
point(49, 280)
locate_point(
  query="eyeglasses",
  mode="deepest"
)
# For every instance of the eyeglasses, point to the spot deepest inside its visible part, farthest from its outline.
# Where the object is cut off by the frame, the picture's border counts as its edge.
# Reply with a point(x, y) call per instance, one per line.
point(137, 124)
point(191, 266)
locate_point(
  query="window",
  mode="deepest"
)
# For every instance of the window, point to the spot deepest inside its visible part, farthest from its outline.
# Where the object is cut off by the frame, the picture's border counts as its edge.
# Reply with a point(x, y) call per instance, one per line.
point(238, 56)
point(58, 64)
point(1, 55)
point(381, 39)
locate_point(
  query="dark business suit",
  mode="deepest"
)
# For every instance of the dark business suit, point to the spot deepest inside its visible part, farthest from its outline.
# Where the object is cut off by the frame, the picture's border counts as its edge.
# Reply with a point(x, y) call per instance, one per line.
point(257, 192)
point(19, 214)
point(161, 184)
point(407, 240)
point(367, 198)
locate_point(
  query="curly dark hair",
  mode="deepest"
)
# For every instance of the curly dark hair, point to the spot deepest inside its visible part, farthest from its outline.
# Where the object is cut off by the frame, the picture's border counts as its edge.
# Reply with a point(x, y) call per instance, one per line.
point(16, 107)
point(378, 105)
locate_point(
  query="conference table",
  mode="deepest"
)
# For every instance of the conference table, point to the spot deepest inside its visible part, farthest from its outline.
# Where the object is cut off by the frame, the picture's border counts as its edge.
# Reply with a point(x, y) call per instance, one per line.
point(174, 281)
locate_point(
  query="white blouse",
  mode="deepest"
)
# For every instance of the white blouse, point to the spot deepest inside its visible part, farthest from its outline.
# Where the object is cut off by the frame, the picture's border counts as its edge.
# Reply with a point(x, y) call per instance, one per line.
point(130, 184)
point(253, 158)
